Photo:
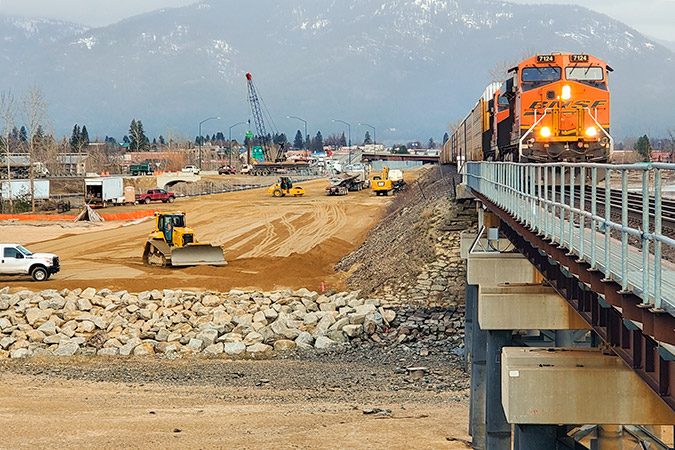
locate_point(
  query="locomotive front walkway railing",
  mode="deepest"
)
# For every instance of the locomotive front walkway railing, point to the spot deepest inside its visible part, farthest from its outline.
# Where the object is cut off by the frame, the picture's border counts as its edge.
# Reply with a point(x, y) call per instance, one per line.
point(613, 217)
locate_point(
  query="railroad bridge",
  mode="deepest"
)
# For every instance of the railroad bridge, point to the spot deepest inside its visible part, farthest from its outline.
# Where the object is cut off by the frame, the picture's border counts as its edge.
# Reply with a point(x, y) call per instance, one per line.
point(570, 315)
point(425, 159)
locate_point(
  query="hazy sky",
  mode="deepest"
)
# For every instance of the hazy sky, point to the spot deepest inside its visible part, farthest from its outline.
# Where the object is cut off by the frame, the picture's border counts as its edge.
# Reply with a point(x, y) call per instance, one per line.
point(654, 18)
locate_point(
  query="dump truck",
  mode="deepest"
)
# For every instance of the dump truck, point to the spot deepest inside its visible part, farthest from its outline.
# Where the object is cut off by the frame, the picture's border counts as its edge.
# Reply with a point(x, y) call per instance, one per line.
point(144, 168)
point(351, 178)
point(285, 187)
point(396, 177)
point(173, 243)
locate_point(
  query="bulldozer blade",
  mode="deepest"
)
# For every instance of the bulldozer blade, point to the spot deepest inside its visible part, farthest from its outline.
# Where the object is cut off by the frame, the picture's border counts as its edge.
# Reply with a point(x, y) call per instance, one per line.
point(197, 255)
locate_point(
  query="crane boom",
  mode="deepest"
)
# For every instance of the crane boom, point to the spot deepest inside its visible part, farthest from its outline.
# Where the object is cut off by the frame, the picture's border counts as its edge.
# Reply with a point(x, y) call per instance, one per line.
point(254, 100)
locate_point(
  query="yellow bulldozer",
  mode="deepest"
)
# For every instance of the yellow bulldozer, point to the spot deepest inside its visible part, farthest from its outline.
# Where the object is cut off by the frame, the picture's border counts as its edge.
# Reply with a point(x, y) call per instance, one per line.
point(285, 187)
point(173, 243)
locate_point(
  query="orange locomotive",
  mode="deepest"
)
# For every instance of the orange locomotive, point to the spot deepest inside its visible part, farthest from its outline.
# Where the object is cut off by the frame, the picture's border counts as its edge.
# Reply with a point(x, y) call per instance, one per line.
point(552, 107)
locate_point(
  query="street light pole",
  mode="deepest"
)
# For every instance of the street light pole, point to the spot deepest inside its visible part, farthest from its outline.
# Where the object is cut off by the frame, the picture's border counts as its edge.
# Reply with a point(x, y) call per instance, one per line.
point(349, 131)
point(200, 139)
point(306, 135)
point(229, 142)
point(374, 136)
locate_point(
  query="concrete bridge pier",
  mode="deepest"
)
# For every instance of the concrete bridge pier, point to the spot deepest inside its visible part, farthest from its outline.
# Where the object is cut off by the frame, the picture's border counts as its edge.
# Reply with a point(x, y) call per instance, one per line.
point(477, 355)
point(541, 437)
point(498, 429)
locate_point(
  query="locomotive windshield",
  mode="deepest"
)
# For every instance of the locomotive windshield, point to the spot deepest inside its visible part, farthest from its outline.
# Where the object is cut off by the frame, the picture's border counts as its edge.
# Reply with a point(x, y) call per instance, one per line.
point(586, 73)
point(534, 77)
point(535, 74)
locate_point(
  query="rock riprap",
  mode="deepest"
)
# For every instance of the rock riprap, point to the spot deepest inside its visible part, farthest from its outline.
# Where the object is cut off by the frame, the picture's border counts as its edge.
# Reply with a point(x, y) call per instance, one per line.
point(235, 324)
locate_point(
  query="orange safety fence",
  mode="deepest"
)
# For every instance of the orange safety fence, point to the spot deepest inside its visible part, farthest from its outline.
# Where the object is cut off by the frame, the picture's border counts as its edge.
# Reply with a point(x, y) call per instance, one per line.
point(27, 217)
point(134, 215)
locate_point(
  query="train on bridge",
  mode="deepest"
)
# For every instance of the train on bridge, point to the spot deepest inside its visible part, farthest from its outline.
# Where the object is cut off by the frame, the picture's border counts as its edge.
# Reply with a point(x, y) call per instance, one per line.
point(552, 107)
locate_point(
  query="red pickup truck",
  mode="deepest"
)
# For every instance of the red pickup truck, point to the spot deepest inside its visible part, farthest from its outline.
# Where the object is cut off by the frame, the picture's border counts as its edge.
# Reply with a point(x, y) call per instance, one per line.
point(156, 195)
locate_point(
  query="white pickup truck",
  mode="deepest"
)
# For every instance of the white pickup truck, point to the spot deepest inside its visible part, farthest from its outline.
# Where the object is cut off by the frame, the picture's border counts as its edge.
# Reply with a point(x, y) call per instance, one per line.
point(17, 260)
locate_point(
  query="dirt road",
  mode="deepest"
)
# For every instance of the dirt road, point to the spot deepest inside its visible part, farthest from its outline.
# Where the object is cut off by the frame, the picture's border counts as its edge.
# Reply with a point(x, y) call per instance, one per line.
point(269, 243)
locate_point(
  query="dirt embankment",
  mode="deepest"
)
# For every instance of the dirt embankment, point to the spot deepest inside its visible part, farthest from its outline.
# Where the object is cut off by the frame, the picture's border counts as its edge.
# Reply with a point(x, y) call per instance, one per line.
point(404, 241)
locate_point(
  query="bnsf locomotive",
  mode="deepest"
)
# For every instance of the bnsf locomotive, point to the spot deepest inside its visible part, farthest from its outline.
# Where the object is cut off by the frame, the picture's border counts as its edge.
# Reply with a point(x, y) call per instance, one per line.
point(551, 108)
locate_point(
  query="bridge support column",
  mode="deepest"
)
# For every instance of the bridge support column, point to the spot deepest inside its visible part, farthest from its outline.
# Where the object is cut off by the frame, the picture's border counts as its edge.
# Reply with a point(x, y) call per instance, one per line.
point(478, 373)
point(610, 437)
point(541, 437)
point(498, 429)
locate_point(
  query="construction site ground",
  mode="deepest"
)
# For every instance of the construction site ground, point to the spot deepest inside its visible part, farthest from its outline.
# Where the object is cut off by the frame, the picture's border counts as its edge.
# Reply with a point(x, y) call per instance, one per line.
point(269, 243)
point(353, 397)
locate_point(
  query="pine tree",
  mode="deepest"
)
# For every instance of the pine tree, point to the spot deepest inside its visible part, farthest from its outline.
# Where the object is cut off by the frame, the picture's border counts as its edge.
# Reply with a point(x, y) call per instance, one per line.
point(15, 133)
point(431, 143)
point(445, 138)
point(75, 138)
point(644, 148)
point(298, 142)
point(138, 141)
point(343, 140)
point(161, 140)
point(84, 136)
point(23, 134)
point(317, 143)
point(367, 140)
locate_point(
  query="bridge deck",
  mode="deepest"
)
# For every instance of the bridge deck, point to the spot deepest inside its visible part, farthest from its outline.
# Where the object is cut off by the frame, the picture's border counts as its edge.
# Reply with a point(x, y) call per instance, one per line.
point(635, 266)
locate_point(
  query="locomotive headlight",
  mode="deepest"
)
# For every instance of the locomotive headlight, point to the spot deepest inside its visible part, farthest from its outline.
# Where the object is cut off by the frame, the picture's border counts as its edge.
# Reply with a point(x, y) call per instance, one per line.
point(545, 132)
point(591, 132)
point(566, 92)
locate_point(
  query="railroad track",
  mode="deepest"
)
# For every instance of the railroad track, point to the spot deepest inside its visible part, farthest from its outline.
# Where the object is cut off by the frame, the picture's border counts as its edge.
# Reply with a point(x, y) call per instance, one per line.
point(635, 206)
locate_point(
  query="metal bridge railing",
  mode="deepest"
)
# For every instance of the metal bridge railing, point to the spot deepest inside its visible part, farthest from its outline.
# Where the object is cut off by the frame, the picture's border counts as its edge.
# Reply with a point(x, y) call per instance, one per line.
point(571, 205)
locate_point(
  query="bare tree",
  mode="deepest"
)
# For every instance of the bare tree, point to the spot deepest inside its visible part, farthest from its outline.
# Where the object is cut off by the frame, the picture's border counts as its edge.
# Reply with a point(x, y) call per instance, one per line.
point(7, 112)
point(499, 71)
point(34, 110)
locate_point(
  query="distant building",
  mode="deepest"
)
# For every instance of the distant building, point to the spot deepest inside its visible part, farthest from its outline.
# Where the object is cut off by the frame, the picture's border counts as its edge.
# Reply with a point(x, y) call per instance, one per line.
point(73, 163)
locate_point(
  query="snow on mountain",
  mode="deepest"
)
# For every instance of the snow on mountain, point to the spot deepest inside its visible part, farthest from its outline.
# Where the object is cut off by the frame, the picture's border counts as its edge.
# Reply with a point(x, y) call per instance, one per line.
point(409, 65)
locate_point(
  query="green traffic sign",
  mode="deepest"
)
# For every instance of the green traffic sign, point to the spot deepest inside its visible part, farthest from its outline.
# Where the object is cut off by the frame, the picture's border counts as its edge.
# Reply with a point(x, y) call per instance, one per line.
point(249, 134)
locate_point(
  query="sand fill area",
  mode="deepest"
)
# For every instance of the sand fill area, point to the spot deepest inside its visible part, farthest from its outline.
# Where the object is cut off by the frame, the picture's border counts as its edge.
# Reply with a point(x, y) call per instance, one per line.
point(269, 243)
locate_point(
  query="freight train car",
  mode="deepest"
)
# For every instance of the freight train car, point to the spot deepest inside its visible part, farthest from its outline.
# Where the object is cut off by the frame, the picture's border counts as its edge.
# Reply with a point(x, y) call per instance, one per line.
point(551, 108)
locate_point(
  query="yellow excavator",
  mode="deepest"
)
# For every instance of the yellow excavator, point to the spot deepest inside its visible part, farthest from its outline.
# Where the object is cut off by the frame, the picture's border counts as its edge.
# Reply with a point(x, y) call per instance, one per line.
point(285, 187)
point(172, 243)
point(382, 184)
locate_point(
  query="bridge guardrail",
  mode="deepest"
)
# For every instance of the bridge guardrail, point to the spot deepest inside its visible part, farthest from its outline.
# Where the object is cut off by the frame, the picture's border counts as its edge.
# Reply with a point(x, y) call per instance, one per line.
point(554, 200)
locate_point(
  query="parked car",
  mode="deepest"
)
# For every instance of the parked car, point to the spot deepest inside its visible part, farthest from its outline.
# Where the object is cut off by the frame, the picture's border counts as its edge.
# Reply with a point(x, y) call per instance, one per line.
point(18, 260)
point(156, 195)
point(191, 169)
point(226, 170)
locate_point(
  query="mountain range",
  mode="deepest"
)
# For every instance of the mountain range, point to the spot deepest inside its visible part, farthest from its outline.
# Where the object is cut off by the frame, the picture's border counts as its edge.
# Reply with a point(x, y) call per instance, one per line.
point(407, 67)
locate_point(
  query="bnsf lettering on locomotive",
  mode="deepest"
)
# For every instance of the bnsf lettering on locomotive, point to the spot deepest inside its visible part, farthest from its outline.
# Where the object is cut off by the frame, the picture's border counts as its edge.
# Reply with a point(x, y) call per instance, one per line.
point(556, 104)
